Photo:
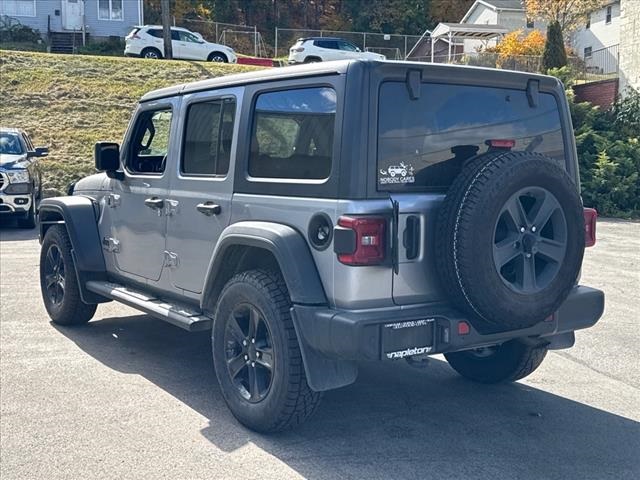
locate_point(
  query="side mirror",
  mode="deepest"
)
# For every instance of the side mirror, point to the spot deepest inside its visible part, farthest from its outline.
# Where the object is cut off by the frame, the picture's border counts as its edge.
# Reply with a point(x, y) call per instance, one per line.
point(107, 158)
point(38, 152)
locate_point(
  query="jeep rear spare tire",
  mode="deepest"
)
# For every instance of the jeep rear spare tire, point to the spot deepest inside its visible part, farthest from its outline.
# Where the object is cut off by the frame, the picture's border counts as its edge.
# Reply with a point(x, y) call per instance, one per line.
point(511, 239)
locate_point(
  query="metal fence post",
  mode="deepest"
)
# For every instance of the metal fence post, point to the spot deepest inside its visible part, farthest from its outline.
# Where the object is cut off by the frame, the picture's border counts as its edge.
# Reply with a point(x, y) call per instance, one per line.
point(275, 48)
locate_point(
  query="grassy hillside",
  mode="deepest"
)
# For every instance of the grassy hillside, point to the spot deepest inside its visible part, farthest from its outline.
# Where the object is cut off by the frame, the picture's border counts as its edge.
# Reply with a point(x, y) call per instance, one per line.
point(69, 102)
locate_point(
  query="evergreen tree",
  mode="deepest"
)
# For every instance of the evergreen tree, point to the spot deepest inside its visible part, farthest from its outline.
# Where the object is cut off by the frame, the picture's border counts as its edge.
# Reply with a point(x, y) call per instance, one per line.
point(554, 55)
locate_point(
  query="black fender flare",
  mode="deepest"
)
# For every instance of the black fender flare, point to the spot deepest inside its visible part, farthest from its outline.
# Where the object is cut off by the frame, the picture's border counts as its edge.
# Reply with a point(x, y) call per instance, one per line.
point(290, 250)
point(79, 214)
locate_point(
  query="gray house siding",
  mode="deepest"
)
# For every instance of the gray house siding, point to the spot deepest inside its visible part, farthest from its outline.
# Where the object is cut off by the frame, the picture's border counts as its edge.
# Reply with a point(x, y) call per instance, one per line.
point(96, 27)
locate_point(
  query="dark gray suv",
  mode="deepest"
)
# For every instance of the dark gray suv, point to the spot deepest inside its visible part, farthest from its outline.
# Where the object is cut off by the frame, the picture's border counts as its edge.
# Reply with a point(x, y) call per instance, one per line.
point(313, 217)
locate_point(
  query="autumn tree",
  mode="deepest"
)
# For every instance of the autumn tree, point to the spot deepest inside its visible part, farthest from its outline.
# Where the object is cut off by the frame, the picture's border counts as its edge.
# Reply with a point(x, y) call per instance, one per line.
point(569, 14)
point(517, 43)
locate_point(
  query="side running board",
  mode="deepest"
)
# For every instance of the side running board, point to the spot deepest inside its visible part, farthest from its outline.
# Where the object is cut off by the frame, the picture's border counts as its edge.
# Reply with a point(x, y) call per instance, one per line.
point(182, 316)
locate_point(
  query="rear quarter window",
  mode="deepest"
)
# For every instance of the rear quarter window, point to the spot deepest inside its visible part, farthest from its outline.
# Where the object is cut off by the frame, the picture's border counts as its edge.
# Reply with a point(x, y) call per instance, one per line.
point(292, 134)
point(426, 142)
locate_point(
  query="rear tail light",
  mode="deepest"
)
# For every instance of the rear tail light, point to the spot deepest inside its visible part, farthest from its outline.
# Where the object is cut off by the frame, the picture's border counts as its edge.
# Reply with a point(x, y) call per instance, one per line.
point(501, 143)
point(297, 49)
point(590, 218)
point(360, 240)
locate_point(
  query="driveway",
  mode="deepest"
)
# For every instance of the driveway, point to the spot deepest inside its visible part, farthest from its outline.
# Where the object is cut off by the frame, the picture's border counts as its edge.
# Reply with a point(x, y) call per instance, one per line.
point(127, 396)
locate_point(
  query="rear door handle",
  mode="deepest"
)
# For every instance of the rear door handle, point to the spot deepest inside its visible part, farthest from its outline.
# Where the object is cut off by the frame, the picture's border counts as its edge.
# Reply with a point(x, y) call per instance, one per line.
point(154, 203)
point(208, 208)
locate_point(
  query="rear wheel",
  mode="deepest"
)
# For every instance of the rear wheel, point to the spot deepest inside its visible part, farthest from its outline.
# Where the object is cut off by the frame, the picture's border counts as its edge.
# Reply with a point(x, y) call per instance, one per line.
point(508, 362)
point(256, 354)
point(152, 53)
point(58, 281)
point(312, 60)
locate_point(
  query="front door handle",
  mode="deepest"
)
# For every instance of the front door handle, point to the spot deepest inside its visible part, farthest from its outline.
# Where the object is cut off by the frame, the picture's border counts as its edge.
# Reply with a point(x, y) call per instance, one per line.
point(208, 208)
point(154, 202)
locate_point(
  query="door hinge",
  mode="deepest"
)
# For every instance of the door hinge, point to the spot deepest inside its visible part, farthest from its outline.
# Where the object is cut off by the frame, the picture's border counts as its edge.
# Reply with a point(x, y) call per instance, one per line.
point(170, 207)
point(110, 244)
point(170, 259)
point(113, 200)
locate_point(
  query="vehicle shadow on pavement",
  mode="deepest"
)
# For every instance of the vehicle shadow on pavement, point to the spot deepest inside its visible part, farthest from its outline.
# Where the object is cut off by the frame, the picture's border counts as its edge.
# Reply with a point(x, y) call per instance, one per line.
point(394, 422)
point(10, 232)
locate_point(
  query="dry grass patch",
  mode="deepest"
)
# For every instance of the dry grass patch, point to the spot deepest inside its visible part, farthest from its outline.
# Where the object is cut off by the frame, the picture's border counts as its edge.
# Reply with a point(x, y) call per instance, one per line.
point(69, 102)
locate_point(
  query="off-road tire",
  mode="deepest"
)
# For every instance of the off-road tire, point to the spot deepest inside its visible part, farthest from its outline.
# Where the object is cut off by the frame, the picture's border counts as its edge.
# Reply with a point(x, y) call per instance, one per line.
point(71, 310)
point(290, 400)
point(465, 241)
point(509, 362)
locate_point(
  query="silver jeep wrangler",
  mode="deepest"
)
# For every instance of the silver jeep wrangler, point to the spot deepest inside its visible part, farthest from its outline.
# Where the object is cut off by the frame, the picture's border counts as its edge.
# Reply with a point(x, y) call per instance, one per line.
point(269, 209)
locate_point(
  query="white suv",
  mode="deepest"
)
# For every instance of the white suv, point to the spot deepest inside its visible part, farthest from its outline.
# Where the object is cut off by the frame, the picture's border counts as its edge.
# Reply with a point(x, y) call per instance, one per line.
point(322, 49)
point(147, 42)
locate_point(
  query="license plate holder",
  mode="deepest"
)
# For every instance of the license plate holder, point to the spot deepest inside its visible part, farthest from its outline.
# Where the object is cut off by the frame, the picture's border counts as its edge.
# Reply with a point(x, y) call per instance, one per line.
point(408, 338)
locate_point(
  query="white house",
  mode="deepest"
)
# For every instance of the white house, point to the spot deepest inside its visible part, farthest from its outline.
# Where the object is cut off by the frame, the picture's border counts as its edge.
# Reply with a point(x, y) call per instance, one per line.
point(597, 41)
point(101, 18)
point(506, 13)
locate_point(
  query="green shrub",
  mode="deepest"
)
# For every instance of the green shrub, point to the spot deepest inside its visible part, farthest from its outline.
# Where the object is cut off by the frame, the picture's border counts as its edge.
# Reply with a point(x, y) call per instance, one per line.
point(114, 46)
point(554, 56)
point(608, 148)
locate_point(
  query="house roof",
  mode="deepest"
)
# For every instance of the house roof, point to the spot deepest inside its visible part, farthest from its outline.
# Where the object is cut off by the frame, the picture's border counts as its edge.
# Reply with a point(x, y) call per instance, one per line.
point(513, 5)
point(505, 4)
point(468, 30)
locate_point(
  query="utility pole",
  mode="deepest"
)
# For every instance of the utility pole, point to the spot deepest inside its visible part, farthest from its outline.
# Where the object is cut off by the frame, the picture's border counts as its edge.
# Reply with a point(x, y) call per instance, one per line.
point(166, 29)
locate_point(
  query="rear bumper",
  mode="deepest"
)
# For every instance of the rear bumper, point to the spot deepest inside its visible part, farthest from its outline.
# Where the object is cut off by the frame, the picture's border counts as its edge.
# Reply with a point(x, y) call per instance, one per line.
point(402, 332)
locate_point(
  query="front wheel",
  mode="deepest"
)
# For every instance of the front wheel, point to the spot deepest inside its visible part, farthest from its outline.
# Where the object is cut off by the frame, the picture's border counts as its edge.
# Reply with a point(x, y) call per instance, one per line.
point(151, 53)
point(29, 221)
point(58, 281)
point(218, 57)
point(256, 354)
point(508, 362)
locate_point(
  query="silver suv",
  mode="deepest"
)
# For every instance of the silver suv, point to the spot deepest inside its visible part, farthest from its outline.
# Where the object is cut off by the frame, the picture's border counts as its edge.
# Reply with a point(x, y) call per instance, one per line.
point(313, 217)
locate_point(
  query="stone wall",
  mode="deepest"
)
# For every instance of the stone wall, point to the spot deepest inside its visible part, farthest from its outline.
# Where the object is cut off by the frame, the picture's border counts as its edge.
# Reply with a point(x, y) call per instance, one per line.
point(629, 44)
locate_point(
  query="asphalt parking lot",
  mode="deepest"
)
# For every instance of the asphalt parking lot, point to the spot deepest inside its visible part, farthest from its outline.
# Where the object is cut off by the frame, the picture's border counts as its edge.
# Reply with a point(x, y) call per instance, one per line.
point(127, 396)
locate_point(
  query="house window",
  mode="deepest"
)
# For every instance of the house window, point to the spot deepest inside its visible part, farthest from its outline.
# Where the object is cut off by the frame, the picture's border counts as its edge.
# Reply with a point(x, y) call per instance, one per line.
point(530, 23)
point(608, 15)
point(18, 8)
point(588, 26)
point(587, 52)
point(110, 10)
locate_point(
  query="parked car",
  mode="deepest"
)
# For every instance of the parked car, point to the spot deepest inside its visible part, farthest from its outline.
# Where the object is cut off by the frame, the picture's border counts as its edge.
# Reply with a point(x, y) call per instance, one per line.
point(20, 176)
point(261, 207)
point(323, 49)
point(147, 42)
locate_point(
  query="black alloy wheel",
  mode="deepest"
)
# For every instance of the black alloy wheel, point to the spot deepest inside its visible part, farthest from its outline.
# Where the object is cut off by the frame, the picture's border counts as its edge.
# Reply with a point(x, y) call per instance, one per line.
point(249, 352)
point(54, 275)
point(530, 240)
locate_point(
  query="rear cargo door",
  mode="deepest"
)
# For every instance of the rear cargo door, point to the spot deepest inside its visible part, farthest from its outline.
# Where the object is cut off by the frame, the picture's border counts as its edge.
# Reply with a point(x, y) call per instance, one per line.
point(425, 137)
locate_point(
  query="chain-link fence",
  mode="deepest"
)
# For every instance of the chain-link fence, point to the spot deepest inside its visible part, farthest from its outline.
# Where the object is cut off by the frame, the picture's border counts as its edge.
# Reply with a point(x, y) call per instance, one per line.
point(244, 39)
point(392, 45)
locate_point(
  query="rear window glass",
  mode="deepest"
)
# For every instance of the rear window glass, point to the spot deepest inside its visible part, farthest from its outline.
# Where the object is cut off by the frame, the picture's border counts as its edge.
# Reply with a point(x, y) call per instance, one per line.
point(292, 134)
point(425, 142)
point(154, 32)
